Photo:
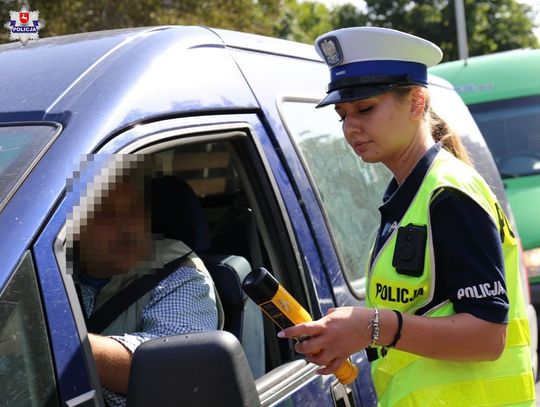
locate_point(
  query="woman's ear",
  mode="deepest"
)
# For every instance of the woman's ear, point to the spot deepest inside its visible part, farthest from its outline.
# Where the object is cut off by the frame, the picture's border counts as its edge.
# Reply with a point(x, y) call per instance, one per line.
point(418, 103)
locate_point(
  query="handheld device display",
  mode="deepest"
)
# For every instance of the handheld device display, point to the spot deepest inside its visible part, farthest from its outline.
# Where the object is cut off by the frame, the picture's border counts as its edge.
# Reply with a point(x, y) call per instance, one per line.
point(285, 311)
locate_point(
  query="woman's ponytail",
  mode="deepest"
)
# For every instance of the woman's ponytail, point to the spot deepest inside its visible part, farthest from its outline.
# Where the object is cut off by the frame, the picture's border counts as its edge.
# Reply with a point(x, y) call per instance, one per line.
point(442, 133)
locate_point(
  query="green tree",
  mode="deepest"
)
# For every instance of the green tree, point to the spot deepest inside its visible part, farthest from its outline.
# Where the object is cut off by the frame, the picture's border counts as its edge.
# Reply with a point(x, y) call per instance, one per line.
point(348, 15)
point(492, 26)
point(73, 16)
point(303, 21)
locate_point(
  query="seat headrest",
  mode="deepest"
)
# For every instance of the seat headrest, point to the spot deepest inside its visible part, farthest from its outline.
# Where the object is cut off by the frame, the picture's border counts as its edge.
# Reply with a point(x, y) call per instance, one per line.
point(177, 213)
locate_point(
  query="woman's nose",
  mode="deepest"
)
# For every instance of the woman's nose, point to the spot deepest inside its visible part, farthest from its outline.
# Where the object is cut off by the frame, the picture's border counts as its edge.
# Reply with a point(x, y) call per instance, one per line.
point(351, 127)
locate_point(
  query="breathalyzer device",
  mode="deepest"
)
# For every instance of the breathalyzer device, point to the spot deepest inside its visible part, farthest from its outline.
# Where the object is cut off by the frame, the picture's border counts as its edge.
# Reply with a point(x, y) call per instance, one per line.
point(285, 311)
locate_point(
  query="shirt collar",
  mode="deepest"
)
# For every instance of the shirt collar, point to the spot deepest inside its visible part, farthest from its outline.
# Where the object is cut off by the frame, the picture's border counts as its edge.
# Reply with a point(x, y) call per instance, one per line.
point(397, 198)
point(93, 282)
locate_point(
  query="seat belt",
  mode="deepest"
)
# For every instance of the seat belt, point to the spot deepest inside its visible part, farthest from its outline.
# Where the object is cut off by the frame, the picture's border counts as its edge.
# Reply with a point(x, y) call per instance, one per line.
point(112, 309)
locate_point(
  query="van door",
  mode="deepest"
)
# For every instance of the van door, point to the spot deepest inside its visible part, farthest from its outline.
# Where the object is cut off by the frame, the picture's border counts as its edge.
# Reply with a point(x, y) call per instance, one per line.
point(232, 165)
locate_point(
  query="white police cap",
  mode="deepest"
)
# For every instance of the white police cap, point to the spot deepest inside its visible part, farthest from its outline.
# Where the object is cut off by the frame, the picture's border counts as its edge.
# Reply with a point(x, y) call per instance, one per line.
point(368, 61)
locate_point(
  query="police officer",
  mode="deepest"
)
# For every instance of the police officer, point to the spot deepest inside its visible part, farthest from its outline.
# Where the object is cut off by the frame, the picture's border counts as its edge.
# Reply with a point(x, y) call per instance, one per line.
point(444, 322)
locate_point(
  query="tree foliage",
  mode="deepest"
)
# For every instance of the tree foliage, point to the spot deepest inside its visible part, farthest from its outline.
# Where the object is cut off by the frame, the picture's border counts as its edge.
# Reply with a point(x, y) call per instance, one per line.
point(73, 16)
point(492, 25)
point(347, 15)
point(303, 21)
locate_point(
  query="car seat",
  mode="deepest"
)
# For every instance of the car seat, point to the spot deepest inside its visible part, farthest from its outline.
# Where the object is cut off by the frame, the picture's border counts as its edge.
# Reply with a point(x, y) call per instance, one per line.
point(178, 214)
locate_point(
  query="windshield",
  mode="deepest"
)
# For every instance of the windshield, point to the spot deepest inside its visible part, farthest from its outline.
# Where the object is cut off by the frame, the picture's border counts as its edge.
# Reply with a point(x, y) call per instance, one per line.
point(20, 145)
point(512, 132)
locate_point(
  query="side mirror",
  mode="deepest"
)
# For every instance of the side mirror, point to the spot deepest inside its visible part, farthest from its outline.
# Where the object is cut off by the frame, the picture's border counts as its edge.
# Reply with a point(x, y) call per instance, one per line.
point(197, 369)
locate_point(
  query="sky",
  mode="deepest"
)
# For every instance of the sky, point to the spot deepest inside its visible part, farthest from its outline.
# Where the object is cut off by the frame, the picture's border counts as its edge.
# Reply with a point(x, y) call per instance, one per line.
point(534, 3)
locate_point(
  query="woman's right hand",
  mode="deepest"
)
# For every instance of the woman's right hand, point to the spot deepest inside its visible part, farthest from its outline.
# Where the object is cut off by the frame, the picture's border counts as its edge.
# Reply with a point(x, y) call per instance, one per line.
point(333, 338)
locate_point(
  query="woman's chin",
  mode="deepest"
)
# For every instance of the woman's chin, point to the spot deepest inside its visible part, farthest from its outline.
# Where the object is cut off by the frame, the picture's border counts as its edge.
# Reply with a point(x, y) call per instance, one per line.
point(369, 158)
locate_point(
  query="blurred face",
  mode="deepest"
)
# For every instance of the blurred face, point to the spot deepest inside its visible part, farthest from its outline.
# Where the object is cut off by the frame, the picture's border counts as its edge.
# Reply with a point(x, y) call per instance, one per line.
point(118, 236)
point(378, 129)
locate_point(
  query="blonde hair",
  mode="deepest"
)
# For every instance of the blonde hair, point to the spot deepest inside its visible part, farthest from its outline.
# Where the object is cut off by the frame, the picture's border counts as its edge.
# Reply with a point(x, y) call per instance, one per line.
point(441, 132)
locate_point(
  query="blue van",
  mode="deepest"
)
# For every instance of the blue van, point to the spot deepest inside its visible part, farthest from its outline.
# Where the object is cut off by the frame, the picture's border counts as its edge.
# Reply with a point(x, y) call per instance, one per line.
point(232, 115)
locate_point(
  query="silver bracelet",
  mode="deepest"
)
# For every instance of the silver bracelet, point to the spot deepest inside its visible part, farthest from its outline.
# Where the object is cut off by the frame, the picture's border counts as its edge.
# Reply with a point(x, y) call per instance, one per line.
point(374, 324)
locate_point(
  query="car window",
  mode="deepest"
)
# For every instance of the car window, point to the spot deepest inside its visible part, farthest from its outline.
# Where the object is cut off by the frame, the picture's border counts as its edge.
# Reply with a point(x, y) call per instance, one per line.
point(19, 147)
point(348, 189)
point(222, 178)
point(243, 221)
point(512, 132)
point(26, 371)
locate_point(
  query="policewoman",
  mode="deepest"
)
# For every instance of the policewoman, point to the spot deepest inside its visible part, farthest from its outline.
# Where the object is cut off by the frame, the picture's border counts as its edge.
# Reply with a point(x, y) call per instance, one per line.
point(444, 322)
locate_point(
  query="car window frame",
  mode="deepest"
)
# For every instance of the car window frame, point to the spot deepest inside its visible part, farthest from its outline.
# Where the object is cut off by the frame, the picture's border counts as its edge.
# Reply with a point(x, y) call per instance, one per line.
point(290, 204)
point(36, 159)
point(168, 138)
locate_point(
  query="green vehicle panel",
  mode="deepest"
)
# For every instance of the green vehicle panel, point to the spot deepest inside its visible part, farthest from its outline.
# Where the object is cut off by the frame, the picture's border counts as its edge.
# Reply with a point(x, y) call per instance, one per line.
point(502, 92)
point(523, 194)
point(505, 75)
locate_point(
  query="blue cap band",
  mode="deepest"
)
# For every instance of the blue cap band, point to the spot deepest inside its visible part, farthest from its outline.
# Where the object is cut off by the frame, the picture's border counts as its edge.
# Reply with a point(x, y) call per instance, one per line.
point(417, 72)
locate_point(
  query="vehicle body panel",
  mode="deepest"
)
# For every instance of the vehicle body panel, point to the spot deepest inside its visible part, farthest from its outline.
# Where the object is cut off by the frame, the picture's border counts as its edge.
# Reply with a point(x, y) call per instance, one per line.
point(502, 90)
point(522, 192)
point(504, 75)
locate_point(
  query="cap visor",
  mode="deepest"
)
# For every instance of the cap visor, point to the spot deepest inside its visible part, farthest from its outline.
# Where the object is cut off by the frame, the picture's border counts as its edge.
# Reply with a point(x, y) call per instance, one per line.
point(356, 93)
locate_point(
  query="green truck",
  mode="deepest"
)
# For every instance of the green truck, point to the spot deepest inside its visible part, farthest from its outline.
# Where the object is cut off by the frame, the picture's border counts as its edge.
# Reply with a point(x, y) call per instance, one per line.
point(502, 91)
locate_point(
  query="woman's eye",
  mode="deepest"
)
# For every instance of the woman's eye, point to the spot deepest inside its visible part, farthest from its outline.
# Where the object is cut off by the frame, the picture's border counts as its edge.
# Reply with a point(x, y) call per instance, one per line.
point(365, 110)
point(341, 119)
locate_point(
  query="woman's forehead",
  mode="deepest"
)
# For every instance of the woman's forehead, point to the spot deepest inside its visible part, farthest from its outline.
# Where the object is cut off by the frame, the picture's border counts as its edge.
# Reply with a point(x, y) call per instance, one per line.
point(352, 103)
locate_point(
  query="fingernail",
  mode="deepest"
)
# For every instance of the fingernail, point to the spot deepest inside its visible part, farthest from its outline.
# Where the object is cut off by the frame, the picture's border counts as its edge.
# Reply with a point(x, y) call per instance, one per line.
point(281, 334)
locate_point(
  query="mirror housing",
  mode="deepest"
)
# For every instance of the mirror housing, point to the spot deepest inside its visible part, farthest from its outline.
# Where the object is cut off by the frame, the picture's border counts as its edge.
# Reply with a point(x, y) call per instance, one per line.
point(196, 369)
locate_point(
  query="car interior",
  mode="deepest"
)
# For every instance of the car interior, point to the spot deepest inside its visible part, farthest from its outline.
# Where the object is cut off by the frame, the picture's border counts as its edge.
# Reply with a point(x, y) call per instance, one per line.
point(204, 197)
point(216, 197)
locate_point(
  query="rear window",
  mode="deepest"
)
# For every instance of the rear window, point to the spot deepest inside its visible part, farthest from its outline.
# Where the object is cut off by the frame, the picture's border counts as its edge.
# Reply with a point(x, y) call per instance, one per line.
point(512, 131)
point(20, 147)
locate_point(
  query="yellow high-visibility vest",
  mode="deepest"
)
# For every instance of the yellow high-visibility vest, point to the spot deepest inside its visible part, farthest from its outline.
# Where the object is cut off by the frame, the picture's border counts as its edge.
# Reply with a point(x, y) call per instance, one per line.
point(405, 379)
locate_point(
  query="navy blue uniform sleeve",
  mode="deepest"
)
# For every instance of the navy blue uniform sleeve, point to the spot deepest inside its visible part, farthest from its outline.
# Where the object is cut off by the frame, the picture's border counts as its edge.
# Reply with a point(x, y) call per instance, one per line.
point(468, 257)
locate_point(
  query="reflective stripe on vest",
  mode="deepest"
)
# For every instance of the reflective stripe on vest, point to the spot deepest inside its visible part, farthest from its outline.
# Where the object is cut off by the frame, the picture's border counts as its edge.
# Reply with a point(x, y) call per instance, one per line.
point(405, 379)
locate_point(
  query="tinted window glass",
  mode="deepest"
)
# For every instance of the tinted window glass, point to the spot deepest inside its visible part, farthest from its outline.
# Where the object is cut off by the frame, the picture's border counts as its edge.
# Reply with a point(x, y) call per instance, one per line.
point(349, 190)
point(26, 373)
point(19, 146)
point(512, 132)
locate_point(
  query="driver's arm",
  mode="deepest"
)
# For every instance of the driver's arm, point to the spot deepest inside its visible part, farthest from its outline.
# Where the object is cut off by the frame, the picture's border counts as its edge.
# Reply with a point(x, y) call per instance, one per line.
point(113, 362)
point(183, 302)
